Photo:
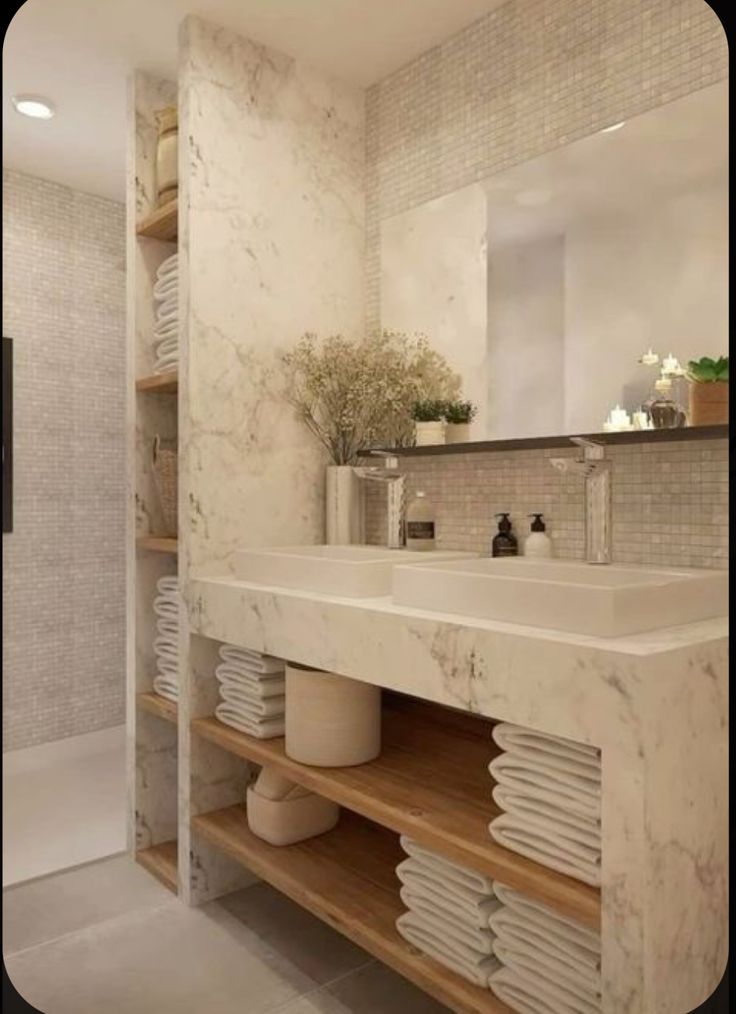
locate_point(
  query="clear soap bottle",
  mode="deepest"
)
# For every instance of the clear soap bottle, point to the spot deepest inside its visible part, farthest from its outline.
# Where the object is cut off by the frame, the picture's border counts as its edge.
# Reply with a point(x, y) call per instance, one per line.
point(420, 524)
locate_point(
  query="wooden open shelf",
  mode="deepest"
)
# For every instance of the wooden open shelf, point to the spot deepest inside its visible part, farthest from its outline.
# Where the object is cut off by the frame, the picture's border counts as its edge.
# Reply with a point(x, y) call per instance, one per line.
point(346, 878)
point(157, 543)
point(158, 705)
point(431, 782)
point(159, 383)
point(161, 223)
point(161, 861)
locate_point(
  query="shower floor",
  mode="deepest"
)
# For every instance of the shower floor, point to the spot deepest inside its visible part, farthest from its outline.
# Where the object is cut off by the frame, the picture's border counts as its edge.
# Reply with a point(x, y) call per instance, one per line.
point(63, 804)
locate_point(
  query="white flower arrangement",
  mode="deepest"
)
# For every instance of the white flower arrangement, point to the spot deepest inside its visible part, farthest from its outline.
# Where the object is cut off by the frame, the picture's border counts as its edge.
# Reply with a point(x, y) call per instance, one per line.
point(354, 394)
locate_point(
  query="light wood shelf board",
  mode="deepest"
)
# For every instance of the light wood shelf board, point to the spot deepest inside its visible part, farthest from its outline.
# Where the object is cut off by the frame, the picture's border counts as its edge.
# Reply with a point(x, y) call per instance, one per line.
point(346, 878)
point(161, 223)
point(158, 543)
point(159, 383)
point(161, 861)
point(160, 706)
point(432, 783)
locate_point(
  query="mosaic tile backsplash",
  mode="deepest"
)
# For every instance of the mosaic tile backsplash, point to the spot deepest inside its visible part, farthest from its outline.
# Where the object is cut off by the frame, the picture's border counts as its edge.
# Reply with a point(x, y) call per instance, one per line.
point(530, 76)
point(64, 562)
point(670, 501)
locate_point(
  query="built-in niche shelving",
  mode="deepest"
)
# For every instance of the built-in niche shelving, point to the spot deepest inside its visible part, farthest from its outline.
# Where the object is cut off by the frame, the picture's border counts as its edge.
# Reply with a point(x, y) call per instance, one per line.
point(161, 223)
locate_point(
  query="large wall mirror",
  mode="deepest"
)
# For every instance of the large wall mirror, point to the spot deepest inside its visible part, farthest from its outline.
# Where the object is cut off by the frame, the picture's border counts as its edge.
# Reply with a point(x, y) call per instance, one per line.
point(544, 284)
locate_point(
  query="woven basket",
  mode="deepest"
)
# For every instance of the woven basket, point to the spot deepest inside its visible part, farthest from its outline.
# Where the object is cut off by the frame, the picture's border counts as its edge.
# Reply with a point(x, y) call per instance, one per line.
point(165, 474)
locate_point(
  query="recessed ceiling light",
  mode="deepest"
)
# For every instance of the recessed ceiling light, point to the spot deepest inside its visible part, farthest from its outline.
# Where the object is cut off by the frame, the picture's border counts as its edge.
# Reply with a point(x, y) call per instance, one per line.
point(614, 126)
point(35, 106)
point(532, 198)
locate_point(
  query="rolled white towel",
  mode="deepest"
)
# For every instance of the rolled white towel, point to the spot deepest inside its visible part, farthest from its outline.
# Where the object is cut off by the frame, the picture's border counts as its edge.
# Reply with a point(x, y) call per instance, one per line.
point(579, 795)
point(570, 965)
point(586, 942)
point(519, 994)
point(251, 661)
point(572, 1000)
point(168, 585)
point(471, 965)
point(473, 907)
point(268, 707)
point(166, 688)
point(452, 871)
point(262, 684)
point(168, 267)
point(449, 920)
point(546, 847)
point(518, 802)
point(237, 719)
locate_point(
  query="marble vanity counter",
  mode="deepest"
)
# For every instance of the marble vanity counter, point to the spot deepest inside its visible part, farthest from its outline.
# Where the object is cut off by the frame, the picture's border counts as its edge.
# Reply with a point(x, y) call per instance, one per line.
point(655, 703)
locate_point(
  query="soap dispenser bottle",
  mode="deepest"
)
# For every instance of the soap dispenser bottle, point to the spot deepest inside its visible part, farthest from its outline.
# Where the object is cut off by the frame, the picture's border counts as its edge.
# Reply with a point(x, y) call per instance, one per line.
point(538, 543)
point(504, 542)
point(420, 526)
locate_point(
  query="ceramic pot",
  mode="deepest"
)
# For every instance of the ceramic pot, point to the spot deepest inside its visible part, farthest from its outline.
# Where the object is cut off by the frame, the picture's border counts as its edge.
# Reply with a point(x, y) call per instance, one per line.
point(708, 403)
point(457, 433)
point(167, 156)
point(331, 721)
point(344, 513)
point(286, 821)
point(428, 433)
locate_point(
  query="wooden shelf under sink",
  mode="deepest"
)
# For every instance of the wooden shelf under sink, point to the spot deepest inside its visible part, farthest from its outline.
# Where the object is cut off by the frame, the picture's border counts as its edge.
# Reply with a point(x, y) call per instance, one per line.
point(163, 223)
point(431, 782)
point(161, 860)
point(159, 383)
point(346, 878)
point(159, 706)
point(158, 543)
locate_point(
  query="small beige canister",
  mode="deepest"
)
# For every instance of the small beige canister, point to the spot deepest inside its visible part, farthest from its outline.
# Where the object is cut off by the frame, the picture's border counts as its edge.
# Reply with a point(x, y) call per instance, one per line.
point(331, 721)
point(167, 155)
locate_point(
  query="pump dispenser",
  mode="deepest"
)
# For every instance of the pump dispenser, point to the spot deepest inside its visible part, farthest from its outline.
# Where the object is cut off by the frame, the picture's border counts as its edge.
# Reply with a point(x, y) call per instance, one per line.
point(537, 543)
point(504, 543)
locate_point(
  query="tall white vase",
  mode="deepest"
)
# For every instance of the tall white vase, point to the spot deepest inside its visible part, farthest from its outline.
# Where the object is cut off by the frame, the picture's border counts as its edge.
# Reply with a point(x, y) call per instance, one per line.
point(344, 513)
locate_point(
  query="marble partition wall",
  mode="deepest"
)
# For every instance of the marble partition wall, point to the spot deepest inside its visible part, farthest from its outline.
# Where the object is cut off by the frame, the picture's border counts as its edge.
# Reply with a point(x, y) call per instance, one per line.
point(272, 237)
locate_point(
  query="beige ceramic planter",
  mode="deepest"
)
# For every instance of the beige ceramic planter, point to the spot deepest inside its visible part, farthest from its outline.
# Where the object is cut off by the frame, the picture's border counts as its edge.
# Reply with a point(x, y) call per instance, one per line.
point(708, 403)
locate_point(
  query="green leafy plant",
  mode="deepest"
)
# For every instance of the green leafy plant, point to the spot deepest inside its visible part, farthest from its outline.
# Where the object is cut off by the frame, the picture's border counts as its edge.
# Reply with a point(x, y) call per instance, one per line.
point(708, 371)
point(458, 412)
point(428, 410)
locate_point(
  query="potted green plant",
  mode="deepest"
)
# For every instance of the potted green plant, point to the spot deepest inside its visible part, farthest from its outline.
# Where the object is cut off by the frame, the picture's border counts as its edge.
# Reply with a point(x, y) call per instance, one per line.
point(708, 390)
point(429, 421)
point(458, 416)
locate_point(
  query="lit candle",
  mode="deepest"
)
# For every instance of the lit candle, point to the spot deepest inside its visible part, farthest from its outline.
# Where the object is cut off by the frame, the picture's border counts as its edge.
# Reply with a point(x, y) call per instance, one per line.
point(649, 358)
point(670, 364)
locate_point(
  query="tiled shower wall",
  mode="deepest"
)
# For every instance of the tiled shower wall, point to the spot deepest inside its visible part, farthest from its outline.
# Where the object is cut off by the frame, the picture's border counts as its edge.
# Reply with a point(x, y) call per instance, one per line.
point(64, 562)
point(670, 500)
point(531, 76)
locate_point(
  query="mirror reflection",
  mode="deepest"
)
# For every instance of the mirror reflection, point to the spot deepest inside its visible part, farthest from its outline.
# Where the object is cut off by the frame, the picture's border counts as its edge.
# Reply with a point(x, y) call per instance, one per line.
point(559, 287)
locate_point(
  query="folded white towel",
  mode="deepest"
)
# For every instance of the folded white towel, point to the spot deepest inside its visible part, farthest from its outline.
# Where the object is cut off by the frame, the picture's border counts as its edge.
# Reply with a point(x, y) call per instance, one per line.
point(517, 802)
point(463, 960)
point(585, 841)
point(449, 920)
point(168, 584)
point(168, 628)
point(169, 266)
point(264, 729)
point(165, 329)
point(579, 795)
point(473, 907)
point(166, 646)
point(268, 707)
point(168, 309)
point(523, 742)
point(567, 964)
point(452, 871)
point(586, 942)
point(165, 608)
point(166, 288)
point(519, 994)
point(166, 365)
point(571, 1000)
point(251, 661)
point(166, 345)
point(167, 666)
point(261, 684)
point(545, 847)
point(166, 688)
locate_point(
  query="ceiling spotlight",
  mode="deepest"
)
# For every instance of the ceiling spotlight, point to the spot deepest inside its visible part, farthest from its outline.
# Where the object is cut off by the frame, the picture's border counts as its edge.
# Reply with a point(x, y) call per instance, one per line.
point(35, 106)
point(614, 126)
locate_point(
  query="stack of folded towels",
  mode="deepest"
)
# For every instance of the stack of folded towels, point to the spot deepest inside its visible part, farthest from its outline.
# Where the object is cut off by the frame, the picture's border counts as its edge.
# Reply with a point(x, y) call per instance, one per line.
point(549, 790)
point(449, 911)
point(166, 328)
point(252, 692)
point(166, 645)
point(550, 964)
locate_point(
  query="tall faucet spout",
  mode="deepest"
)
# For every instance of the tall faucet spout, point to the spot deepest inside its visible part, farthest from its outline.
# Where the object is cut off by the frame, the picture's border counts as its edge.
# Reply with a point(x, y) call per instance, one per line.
point(596, 470)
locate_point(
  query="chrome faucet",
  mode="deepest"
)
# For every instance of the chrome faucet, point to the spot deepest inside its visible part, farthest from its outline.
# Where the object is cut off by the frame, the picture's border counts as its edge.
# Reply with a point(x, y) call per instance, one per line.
point(388, 473)
point(596, 470)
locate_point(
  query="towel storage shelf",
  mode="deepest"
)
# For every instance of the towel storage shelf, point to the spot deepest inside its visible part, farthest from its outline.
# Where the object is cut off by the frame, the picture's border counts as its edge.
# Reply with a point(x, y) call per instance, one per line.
point(346, 878)
point(159, 383)
point(157, 543)
point(161, 223)
point(431, 782)
point(158, 705)
point(161, 861)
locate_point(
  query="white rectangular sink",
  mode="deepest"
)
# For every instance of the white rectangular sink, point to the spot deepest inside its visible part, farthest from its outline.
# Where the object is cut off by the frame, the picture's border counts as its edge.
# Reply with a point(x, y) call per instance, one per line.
point(350, 571)
point(600, 600)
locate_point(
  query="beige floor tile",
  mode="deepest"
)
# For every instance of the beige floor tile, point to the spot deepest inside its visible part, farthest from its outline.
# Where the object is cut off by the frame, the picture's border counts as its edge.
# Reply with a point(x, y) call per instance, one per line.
point(374, 989)
point(41, 910)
